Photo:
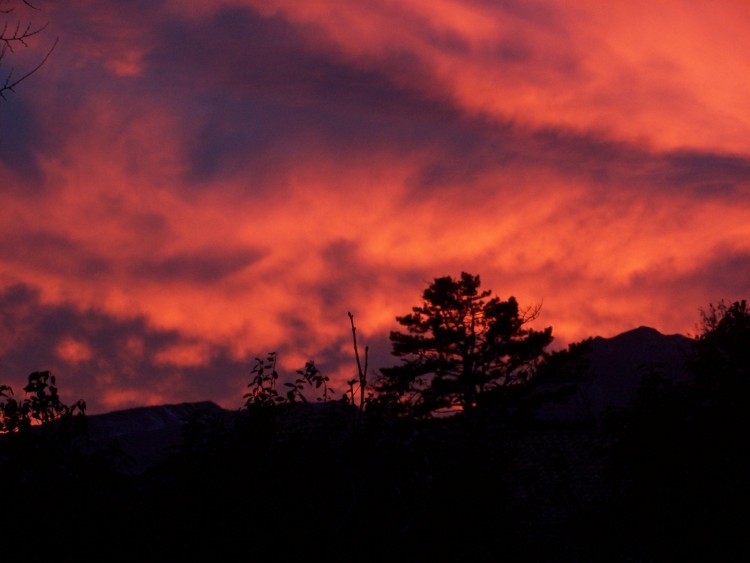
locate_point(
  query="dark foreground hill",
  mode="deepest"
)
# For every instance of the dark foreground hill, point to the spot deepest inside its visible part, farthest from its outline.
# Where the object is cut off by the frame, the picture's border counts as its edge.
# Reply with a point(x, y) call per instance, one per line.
point(146, 435)
point(611, 380)
point(320, 482)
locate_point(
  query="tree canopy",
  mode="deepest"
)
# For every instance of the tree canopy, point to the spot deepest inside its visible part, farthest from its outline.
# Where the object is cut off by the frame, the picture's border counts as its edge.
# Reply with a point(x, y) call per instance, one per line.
point(461, 343)
point(721, 363)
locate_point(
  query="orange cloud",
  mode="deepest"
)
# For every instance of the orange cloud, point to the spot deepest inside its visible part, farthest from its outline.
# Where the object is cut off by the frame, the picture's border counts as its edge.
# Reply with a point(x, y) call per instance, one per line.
point(667, 74)
point(74, 351)
point(190, 209)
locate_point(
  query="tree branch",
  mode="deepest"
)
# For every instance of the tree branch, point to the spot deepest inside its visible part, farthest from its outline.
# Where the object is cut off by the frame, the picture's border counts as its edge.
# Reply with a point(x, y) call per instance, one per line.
point(362, 373)
point(11, 37)
point(10, 84)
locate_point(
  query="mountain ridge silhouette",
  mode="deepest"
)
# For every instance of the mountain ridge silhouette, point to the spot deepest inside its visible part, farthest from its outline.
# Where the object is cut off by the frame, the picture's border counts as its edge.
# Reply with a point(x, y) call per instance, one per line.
point(616, 367)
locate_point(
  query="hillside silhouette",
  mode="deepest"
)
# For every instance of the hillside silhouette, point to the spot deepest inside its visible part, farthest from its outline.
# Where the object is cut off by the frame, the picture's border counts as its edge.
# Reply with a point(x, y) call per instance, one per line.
point(541, 481)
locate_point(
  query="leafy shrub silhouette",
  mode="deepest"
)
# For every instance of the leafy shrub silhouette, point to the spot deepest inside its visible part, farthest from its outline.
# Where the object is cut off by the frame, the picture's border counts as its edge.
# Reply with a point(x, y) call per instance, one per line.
point(40, 407)
point(263, 392)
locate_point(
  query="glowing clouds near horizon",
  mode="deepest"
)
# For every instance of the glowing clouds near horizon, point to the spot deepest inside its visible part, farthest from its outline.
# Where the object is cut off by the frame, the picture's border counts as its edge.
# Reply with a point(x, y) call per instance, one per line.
point(186, 193)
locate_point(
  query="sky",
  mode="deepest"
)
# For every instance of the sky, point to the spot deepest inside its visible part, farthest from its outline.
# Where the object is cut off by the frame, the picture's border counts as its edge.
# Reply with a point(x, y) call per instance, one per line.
point(187, 185)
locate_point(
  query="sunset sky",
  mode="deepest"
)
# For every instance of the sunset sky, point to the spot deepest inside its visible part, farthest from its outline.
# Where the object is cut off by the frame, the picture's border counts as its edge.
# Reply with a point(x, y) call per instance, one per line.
point(187, 185)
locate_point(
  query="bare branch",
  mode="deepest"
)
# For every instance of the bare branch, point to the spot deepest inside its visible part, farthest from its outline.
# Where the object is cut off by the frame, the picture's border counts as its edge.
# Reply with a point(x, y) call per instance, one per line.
point(361, 373)
point(10, 84)
point(531, 313)
point(12, 36)
point(19, 35)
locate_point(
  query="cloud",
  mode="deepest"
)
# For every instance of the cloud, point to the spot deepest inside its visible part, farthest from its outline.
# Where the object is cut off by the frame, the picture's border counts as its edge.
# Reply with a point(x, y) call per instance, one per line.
point(205, 267)
point(51, 253)
point(111, 362)
point(213, 182)
point(21, 135)
point(633, 73)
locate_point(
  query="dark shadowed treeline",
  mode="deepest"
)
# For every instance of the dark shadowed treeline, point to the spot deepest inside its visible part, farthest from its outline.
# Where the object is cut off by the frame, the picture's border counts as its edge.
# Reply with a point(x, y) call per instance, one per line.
point(300, 471)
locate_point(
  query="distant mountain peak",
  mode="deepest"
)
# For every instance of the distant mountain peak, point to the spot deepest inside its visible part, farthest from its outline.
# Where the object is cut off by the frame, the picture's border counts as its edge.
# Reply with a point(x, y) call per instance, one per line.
point(145, 434)
point(617, 365)
point(634, 333)
point(645, 330)
point(641, 336)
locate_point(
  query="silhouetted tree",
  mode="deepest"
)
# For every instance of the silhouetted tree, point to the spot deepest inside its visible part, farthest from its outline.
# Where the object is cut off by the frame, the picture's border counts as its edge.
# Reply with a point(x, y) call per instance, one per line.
point(460, 343)
point(679, 452)
point(16, 30)
point(41, 405)
point(721, 364)
point(563, 376)
point(42, 440)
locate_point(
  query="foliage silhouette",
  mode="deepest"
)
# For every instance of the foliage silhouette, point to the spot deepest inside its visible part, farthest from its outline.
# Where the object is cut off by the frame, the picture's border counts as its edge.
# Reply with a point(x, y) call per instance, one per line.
point(40, 436)
point(461, 343)
point(263, 392)
point(562, 378)
point(40, 407)
point(678, 456)
point(721, 364)
point(295, 477)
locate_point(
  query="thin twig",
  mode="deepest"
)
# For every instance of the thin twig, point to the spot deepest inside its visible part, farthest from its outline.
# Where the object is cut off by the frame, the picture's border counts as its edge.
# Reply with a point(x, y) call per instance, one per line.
point(9, 86)
point(362, 373)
